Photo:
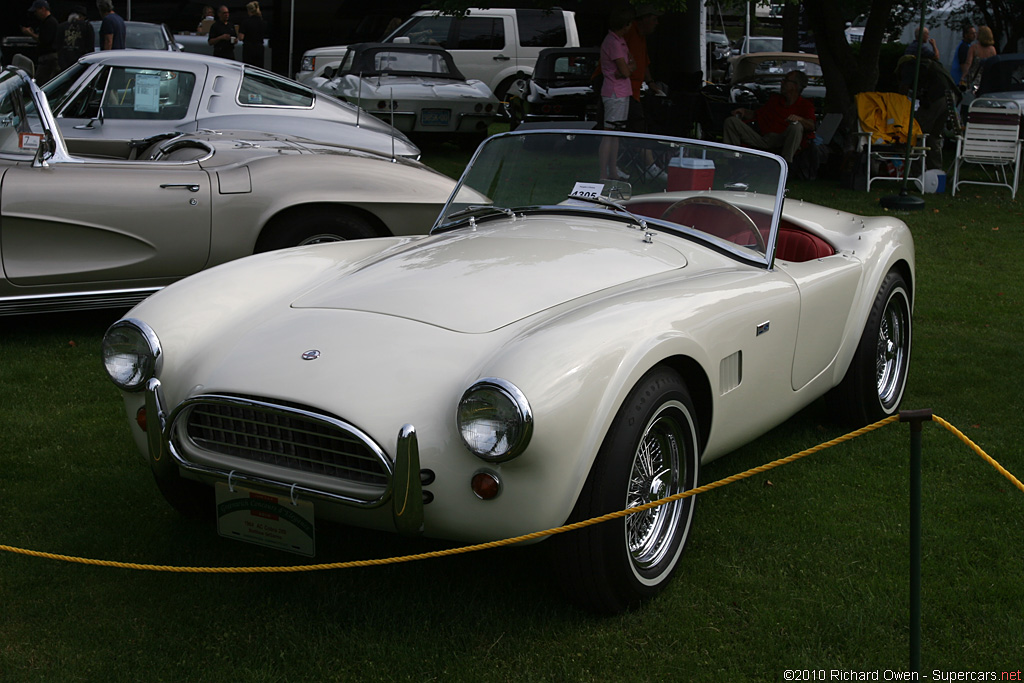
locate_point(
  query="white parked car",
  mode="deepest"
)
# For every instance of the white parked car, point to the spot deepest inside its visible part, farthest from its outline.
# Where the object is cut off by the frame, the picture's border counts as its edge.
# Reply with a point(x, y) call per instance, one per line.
point(80, 231)
point(416, 88)
point(559, 347)
point(493, 45)
point(107, 99)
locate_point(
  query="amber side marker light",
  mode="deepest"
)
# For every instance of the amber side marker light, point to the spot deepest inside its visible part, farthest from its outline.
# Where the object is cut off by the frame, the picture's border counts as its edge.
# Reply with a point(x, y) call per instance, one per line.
point(486, 485)
point(140, 418)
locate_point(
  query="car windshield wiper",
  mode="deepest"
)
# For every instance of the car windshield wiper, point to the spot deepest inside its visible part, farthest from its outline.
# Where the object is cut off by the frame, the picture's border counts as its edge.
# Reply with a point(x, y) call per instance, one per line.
point(474, 210)
point(604, 201)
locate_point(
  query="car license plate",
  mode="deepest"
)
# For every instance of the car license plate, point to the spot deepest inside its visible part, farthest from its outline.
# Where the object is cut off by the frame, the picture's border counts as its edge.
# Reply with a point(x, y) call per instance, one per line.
point(435, 117)
point(265, 519)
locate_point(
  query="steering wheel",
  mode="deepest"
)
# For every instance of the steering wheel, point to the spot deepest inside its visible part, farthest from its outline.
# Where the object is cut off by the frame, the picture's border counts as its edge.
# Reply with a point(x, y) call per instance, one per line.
point(744, 220)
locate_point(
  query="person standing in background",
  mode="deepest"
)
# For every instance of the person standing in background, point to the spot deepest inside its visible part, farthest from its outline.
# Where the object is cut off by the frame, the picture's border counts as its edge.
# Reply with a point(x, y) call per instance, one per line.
point(956, 69)
point(636, 40)
point(252, 32)
point(112, 28)
point(928, 47)
point(616, 66)
point(979, 52)
point(75, 38)
point(46, 40)
point(222, 35)
point(206, 22)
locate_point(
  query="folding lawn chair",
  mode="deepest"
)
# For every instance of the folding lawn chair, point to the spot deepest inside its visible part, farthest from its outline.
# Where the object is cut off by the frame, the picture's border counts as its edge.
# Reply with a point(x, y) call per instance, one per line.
point(881, 123)
point(991, 141)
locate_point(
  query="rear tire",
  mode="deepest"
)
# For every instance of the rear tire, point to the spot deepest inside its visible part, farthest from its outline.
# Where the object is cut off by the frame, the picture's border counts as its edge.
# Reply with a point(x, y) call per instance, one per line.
point(877, 377)
point(651, 451)
point(317, 226)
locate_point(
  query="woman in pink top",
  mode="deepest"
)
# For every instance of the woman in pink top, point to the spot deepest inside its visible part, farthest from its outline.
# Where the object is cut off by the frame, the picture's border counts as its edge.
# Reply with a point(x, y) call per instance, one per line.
point(616, 89)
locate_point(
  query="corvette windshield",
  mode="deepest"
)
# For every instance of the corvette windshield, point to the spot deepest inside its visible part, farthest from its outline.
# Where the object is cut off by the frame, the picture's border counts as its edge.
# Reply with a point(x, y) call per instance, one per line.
point(729, 195)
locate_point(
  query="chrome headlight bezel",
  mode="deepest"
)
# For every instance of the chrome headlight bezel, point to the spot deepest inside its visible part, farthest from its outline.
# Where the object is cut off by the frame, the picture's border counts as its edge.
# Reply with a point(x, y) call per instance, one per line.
point(486, 404)
point(131, 354)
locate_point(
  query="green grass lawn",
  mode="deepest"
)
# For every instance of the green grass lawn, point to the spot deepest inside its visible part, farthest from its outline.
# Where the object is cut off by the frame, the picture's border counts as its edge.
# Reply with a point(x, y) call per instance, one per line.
point(805, 567)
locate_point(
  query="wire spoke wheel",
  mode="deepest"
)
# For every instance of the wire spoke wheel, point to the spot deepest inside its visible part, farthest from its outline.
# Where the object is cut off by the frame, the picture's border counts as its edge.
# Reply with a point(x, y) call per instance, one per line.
point(651, 451)
point(893, 350)
point(655, 475)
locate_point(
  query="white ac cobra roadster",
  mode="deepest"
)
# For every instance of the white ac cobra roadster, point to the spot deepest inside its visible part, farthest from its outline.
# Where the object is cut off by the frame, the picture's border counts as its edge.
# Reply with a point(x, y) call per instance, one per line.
point(560, 346)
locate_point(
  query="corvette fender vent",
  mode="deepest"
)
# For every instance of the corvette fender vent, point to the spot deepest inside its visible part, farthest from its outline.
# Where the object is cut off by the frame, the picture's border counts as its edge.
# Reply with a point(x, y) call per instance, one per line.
point(284, 436)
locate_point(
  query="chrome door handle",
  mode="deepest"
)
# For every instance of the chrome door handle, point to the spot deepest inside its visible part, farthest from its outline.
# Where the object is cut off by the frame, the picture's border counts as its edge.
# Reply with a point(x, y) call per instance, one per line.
point(191, 187)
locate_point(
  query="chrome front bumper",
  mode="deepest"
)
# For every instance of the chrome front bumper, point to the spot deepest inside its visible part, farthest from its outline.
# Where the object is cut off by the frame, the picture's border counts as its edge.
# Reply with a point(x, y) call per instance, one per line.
point(403, 489)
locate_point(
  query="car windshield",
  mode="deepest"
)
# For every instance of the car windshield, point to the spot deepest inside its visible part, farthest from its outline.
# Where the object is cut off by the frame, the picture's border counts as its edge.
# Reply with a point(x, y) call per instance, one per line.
point(727, 196)
point(769, 44)
point(400, 61)
point(58, 87)
point(138, 36)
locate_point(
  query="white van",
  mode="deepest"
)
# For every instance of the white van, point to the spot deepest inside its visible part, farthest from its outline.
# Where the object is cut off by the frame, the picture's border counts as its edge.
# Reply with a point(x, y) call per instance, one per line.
point(491, 45)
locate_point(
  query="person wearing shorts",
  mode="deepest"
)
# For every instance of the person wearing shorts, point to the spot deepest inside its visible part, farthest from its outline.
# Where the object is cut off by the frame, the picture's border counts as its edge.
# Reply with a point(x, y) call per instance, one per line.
point(616, 89)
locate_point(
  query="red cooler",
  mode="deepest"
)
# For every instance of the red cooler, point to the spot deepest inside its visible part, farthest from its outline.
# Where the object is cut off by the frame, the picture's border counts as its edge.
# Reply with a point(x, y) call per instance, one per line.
point(690, 174)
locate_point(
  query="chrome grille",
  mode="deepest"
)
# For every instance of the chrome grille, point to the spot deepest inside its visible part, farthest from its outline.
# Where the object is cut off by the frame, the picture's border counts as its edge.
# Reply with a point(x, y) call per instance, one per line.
point(285, 437)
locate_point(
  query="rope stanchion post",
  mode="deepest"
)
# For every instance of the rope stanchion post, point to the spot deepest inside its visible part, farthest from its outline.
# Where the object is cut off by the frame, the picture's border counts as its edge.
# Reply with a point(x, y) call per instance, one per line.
point(915, 418)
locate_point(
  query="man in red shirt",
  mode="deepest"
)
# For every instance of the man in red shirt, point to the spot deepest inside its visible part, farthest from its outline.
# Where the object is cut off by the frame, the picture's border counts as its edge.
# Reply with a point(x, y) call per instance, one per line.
point(785, 123)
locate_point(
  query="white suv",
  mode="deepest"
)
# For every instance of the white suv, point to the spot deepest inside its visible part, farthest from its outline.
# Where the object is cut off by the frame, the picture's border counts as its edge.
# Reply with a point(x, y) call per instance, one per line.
point(492, 45)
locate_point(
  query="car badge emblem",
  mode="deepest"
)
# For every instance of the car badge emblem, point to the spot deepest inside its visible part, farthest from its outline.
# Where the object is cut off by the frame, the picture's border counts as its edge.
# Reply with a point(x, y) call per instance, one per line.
point(312, 354)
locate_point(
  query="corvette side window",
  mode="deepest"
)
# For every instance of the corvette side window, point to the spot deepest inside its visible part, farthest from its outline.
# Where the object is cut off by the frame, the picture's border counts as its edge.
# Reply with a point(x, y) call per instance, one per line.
point(148, 94)
point(86, 104)
point(260, 88)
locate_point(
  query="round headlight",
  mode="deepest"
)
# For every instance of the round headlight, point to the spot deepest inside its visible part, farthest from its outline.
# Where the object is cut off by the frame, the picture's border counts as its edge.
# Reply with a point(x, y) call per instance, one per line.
point(131, 354)
point(495, 420)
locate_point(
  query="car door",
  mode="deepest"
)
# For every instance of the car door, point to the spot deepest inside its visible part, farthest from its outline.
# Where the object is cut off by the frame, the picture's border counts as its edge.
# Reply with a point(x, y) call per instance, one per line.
point(123, 103)
point(104, 222)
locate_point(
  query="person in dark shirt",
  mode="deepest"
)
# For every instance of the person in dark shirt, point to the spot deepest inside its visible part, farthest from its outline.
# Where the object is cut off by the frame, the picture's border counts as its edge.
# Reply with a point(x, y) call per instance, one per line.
point(112, 28)
point(46, 40)
point(222, 35)
point(75, 38)
point(251, 33)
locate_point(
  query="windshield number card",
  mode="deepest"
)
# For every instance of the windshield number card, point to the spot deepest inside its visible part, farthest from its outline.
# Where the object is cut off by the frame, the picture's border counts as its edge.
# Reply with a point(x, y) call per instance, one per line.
point(265, 519)
point(147, 93)
point(590, 190)
point(29, 141)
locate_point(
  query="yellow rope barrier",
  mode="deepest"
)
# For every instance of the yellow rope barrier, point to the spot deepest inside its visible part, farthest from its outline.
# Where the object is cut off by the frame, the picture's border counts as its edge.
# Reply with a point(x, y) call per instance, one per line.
point(517, 539)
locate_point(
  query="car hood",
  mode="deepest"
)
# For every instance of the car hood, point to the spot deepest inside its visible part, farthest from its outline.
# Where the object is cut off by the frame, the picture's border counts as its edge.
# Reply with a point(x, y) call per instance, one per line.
point(479, 280)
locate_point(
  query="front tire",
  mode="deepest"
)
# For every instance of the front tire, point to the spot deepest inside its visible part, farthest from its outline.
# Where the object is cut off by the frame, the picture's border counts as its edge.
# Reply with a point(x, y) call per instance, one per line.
point(874, 384)
point(651, 452)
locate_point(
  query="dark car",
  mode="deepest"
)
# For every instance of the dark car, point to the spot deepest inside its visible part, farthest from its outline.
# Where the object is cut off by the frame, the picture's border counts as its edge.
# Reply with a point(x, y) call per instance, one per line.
point(140, 35)
point(1003, 76)
point(562, 88)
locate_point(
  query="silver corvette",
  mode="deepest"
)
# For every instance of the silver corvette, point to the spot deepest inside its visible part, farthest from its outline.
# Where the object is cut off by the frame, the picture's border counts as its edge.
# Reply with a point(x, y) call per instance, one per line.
point(87, 232)
point(559, 347)
point(110, 98)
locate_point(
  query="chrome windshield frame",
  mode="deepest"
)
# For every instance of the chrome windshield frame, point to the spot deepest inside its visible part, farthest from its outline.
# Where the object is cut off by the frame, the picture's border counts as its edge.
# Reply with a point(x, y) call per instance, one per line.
point(765, 260)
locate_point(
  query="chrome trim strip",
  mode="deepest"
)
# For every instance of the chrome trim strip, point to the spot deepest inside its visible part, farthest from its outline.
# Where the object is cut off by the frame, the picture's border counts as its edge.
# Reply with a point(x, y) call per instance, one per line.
point(73, 301)
point(183, 462)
